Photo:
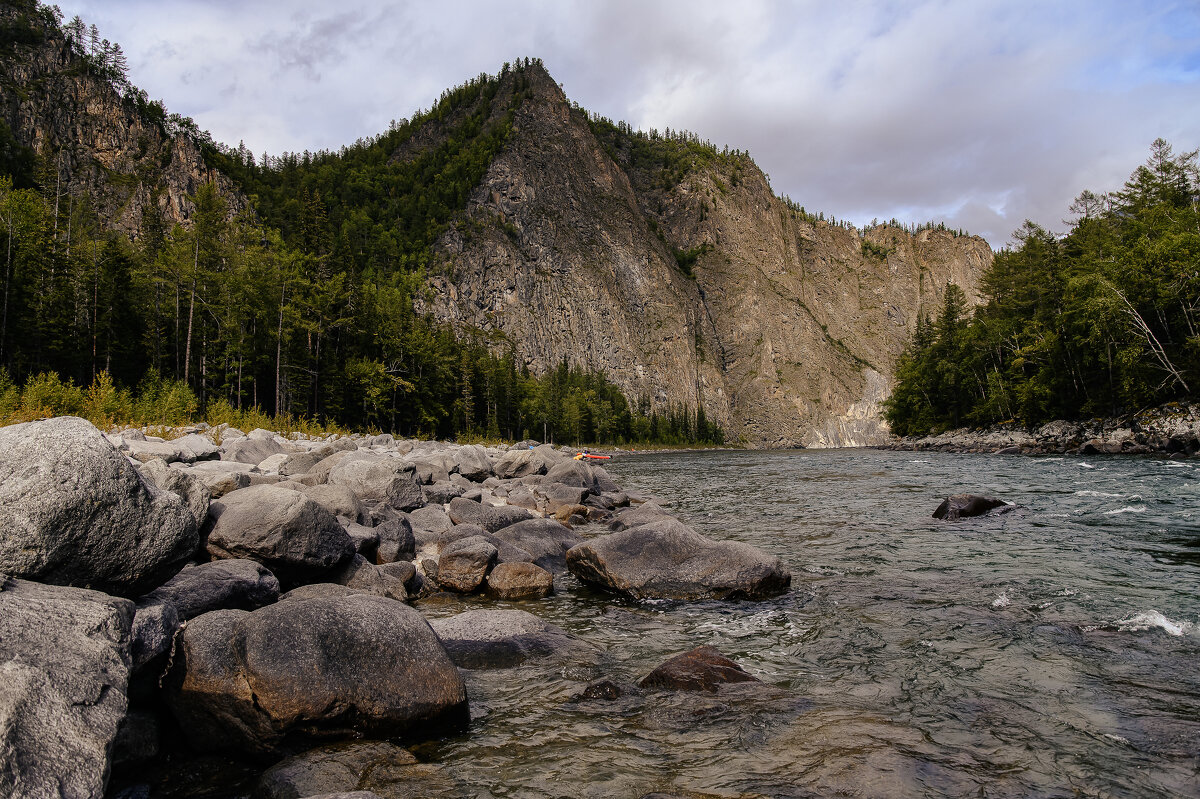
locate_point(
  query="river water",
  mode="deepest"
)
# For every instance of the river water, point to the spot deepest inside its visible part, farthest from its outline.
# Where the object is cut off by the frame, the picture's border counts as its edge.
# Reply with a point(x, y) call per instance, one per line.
point(1054, 651)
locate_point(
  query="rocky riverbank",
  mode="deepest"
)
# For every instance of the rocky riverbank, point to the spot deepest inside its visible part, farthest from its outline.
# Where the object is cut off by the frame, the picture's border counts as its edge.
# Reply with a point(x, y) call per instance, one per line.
point(227, 594)
point(1172, 430)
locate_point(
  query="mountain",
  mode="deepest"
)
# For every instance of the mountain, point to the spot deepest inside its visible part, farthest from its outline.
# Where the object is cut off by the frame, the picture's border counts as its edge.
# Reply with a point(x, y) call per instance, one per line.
point(547, 232)
point(675, 270)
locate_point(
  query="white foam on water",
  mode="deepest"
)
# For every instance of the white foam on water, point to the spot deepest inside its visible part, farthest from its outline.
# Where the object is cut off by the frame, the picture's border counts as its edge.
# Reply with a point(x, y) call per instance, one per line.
point(1126, 509)
point(1086, 466)
point(1150, 619)
point(1117, 738)
point(1002, 601)
point(1068, 592)
point(1097, 494)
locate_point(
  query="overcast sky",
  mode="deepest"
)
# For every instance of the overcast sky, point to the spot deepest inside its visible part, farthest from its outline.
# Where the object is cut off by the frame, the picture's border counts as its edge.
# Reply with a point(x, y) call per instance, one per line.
point(978, 113)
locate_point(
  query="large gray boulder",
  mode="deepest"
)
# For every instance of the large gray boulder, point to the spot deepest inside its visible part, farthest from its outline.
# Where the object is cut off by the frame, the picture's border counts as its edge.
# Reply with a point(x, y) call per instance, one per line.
point(520, 463)
point(64, 678)
point(312, 670)
point(73, 511)
point(666, 559)
point(252, 449)
point(396, 541)
point(581, 475)
point(294, 537)
point(379, 479)
point(546, 540)
point(464, 564)
point(499, 639)
point(182, 484)
point(361, 575)
point(338, 500)
point(638, 515)
point(489, 517)
point(239, 584)
point(472, 462)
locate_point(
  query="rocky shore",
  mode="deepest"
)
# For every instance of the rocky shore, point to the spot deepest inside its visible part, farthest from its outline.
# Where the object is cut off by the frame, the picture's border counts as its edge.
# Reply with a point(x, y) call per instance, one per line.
point(223, 593)
point(1172, 430)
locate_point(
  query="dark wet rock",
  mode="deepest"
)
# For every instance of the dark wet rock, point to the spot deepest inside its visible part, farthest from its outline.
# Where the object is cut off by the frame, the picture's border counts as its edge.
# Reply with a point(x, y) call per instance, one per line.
point(604, 691)
point(362, 575)
point(430, 567)
point(364, 539)
point(498, 639)
point(338, 500)
point(962, 506)
point(64, 677)
point(379, 479)
point(153, 630)
point(546, 540)
point(312, 668)
point(183, 484)
point(702, 669)
point(666, 559)
point(515, 581)
point(396, 541)
point(330, 769)
point(222, 584)
point(638, 515)
point(137, 738)
point(463, 565)
point(489, 517)
point(73, 511)
point(297, 539)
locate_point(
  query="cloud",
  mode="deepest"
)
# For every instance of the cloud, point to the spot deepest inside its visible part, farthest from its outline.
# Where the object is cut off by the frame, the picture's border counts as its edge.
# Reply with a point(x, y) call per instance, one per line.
point(977, 114)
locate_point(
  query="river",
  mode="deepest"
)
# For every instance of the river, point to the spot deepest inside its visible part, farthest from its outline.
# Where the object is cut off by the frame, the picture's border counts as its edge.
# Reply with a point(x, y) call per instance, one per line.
point(1054, 651)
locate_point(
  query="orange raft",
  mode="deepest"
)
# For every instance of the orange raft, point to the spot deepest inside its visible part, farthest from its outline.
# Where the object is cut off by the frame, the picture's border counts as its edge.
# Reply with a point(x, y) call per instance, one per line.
point(583, 455)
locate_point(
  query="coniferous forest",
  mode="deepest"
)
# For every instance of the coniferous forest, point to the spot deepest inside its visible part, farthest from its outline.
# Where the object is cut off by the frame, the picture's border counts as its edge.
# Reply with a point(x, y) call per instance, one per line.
point(306, 304)
point(1100, 322)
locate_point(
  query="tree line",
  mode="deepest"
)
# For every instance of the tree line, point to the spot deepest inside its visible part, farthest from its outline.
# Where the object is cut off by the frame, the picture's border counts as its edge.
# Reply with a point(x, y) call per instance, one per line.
point(1102, 321)
point(305, 305)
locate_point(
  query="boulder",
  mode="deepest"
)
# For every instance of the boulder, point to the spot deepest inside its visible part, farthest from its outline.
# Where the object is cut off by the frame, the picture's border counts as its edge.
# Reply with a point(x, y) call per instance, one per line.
point(702, 669)
point(339, 769)
point(961, 506)
point(641, 514)
point(557, 495)
point(489, 517)
point(284, 530)
point(338, 500)
point(250, 449)
point(221, 477)
point(153, 630)
point(73, 511)
point(500, 639)
point(546, 540)
point(441, 492)
point(166, 451)
point(464, 564)
point(581, 475)
point(362, 575)
point(515, 581)
point(431, 519)
point(396, 541)
point(379, 479)
point(472, 462)
point(181, 483)
point(520, 463)
point(302, 462)
point(666, 559)
point(220, 585)
point(312, 668)
point(505, 552)
point(64, 677)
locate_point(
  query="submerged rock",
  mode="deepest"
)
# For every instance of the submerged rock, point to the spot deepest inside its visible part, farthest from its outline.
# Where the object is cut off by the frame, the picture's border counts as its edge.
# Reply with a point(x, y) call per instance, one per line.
point(666, 559)
point(499, 639)
point(961, 506)
point(702, 669)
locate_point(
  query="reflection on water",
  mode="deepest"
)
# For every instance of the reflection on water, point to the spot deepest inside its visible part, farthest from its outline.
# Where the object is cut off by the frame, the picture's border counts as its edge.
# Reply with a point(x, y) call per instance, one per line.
point(1050, 652)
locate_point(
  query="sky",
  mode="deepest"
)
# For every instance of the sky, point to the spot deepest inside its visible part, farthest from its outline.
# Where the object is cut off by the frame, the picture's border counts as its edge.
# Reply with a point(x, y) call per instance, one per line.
point(976, 113)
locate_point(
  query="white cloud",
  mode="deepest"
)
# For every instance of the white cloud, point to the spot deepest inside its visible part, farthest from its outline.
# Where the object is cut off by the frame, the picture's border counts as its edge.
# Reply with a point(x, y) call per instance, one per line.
point(978, 114)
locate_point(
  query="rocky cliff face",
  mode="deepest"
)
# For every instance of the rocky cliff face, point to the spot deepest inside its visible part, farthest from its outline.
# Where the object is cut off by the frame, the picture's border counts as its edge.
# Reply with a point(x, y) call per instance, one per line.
point(787, 329)
point(89, 139)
